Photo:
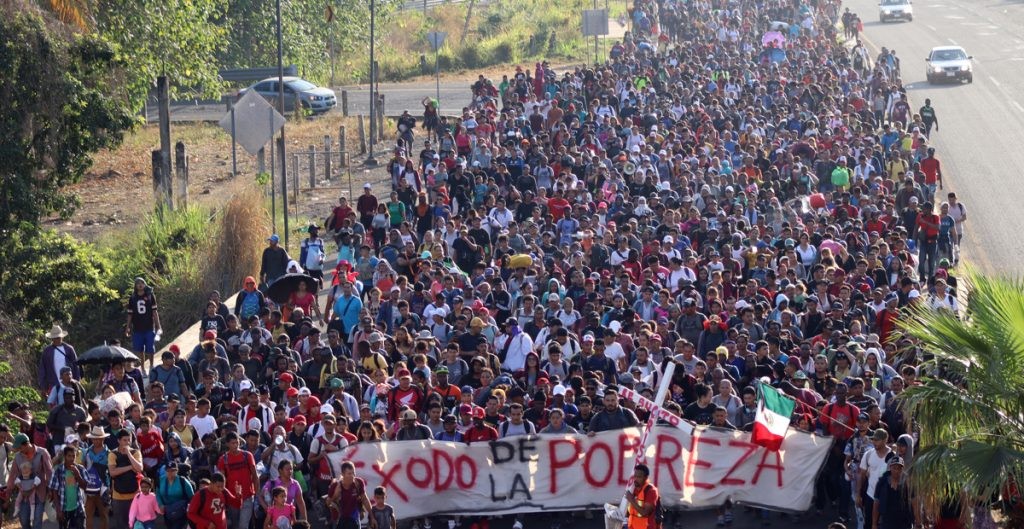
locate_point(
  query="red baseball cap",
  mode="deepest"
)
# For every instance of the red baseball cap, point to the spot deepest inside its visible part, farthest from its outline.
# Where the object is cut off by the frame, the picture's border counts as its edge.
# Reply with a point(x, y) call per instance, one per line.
point(174, 348)
point(299, 419)
point(292, 392)
point(478, 413)
point(210, 335)
point(286, 377)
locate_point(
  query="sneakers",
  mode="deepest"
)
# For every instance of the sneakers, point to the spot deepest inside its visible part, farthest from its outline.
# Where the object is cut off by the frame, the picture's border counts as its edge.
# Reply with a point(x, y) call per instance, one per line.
point(721, 521)
point(517, 525)
point(426, 523)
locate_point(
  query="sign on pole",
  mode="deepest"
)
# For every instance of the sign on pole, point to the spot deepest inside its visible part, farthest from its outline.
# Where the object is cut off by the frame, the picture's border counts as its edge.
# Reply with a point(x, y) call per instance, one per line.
point(595, 22)
point(252, 129)
point(436, 39)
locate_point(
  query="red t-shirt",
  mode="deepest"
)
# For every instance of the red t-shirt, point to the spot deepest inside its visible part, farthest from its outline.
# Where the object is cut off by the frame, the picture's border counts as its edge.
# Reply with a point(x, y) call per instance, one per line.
point(482, 434)
point(237, 468)
point(151, 444)
point(557, 206)
point(835, 416)
point(929, 231)
point(207, 507)
point(930, 167)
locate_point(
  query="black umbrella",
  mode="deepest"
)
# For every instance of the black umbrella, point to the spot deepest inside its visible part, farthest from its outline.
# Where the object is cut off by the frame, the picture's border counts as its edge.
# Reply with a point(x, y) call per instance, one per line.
point(281, 289)
point(106, 354)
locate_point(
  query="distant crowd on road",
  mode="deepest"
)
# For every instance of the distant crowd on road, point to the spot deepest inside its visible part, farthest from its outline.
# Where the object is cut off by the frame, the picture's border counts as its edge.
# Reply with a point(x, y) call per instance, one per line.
point(738, 190)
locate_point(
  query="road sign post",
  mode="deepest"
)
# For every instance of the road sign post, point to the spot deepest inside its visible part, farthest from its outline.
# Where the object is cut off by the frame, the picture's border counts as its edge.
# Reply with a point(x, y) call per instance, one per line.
point(436, 40)
point(595, 24)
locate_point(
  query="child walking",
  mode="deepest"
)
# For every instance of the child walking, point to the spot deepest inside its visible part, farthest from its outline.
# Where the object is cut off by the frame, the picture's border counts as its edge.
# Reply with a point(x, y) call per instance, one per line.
point(145, 507)
point(280, 514)
point(382, 513)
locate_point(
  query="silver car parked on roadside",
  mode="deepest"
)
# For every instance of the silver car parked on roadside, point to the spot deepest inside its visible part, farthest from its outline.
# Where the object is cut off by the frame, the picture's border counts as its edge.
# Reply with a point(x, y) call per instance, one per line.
point(314, 98)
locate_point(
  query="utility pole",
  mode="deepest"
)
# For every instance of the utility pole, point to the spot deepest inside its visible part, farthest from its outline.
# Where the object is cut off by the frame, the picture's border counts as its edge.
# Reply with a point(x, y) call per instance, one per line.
point(370, 160)
point(280, 108)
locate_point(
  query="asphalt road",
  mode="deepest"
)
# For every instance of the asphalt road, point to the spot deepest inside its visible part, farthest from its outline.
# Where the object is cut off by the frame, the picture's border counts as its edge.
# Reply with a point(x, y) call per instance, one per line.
point(397, 97)
point(981, 123)
point(689, 520)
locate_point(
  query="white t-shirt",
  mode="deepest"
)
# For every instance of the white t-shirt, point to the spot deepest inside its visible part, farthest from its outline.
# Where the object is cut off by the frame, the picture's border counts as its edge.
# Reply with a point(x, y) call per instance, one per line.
point(203, 425)
point(876, 466)
point(615, 352)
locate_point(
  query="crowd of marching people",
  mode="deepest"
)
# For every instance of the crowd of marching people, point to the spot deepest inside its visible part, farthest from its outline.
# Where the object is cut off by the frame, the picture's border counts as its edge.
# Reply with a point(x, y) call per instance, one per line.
point(742, 189)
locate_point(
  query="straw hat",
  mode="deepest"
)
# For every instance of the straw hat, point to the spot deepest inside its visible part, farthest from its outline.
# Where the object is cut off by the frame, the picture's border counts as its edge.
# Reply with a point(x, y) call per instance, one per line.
point(56, 332)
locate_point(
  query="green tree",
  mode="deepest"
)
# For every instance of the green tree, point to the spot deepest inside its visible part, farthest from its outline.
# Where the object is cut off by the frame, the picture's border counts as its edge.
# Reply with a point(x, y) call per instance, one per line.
point(176, 38)
point(970, 405)
point(47, 277)
point(63, 100)
point(306, 32)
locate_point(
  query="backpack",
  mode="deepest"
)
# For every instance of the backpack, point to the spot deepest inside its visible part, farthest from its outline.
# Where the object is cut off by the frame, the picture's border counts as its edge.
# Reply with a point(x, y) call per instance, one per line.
point(314, 255)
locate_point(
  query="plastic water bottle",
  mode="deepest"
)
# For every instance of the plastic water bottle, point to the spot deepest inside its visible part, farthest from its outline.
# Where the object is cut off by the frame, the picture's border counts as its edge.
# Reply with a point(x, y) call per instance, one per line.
point(159, 334)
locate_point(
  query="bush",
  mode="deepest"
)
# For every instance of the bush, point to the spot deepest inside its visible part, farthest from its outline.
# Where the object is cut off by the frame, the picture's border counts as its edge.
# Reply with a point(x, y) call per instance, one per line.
point(504, 52)
point(46, 277)
point(471, 55)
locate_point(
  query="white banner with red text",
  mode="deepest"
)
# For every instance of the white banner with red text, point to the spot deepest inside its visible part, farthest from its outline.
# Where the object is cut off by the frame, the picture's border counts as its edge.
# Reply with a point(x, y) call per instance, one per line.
point(564, 473)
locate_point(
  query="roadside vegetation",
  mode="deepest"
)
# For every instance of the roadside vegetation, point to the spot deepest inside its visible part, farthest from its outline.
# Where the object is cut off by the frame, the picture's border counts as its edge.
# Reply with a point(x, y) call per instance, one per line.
point(500, 32)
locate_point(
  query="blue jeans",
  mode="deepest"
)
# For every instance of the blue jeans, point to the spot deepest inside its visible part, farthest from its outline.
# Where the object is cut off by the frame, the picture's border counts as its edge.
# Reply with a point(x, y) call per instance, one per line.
point(240, 518)
point(30, 513)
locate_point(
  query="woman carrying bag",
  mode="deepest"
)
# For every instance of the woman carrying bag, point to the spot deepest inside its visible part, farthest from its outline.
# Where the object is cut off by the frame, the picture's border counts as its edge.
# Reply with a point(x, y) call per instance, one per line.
point(173, 494)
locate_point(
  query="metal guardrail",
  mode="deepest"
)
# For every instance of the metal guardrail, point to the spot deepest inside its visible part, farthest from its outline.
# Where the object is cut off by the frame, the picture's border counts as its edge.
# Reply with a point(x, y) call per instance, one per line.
point(241, 75)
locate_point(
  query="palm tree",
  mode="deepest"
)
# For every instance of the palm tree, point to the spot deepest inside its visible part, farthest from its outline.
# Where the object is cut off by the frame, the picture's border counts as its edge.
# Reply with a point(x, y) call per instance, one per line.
point(970, 405)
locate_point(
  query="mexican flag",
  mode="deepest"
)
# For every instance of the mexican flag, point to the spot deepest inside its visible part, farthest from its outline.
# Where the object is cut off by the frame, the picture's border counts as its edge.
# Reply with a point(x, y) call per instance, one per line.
point(772, 419)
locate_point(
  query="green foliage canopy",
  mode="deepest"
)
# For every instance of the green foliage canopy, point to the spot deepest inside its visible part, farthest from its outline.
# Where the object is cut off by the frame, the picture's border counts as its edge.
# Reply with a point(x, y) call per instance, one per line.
point(62, 102)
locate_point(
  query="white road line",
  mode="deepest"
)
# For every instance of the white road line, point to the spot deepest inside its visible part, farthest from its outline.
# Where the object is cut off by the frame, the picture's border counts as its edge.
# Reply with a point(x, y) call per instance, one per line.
point(1018, 105)
point(953, 42)
point(930, 28)
point(954, 17)
point(994, 81)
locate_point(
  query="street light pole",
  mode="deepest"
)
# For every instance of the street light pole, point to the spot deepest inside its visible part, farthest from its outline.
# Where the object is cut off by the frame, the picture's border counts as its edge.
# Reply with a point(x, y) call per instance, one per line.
point(280, 108)
point(370, 160)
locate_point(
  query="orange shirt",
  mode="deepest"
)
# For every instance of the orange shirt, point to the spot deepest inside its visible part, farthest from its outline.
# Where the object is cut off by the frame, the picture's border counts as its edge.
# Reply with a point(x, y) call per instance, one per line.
point(646, 495)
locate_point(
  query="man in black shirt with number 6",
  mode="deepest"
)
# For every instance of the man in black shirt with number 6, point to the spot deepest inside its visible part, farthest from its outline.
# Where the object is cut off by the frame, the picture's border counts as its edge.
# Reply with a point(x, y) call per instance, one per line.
point(143, 321)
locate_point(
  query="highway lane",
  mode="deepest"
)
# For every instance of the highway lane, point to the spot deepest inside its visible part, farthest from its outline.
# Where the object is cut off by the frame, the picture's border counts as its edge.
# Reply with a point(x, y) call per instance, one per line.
point(981, 124)
point(397, 97)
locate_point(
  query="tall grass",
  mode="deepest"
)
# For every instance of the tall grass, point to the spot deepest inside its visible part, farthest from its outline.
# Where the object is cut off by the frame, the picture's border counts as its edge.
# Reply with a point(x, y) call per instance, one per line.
point(500, 32)
point(183, 255)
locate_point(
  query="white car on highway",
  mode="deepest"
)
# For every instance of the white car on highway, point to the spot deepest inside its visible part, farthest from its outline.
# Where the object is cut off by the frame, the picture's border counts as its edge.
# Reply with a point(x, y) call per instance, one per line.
point(895, 10)
point(949, 63)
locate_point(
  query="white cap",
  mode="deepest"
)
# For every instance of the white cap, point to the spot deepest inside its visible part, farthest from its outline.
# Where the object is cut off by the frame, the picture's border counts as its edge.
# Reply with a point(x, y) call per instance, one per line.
point(559, 390)
point(913, 294)
point(367, 186)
